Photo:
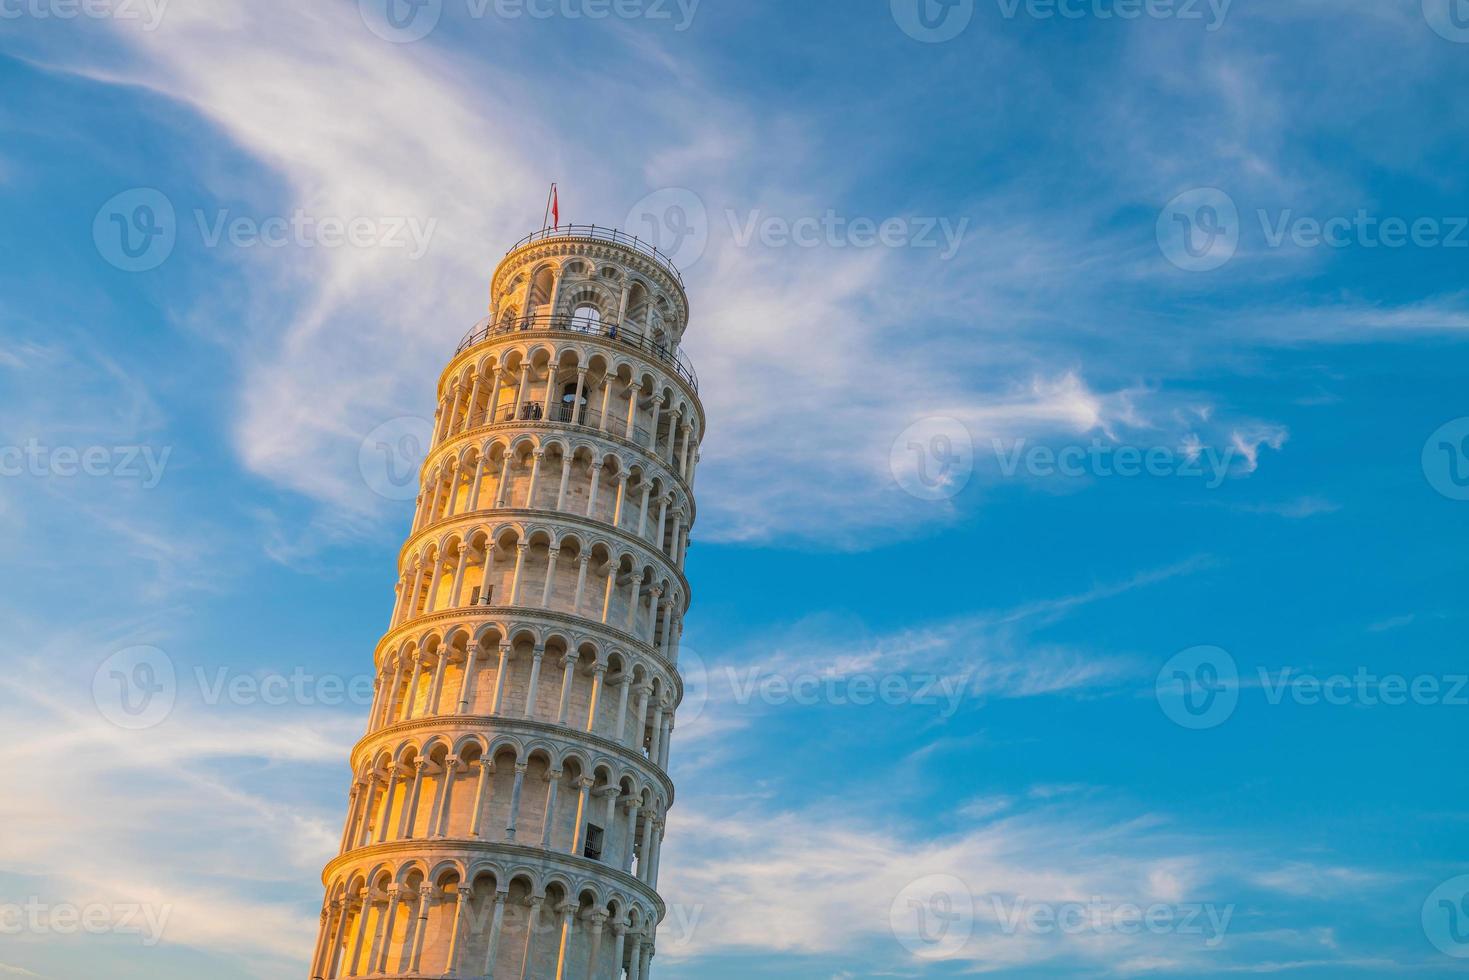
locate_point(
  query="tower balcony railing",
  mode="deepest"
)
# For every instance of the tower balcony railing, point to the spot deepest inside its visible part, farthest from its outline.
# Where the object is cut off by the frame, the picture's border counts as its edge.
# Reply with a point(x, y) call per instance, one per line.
point(600, 234)
point(618, 333)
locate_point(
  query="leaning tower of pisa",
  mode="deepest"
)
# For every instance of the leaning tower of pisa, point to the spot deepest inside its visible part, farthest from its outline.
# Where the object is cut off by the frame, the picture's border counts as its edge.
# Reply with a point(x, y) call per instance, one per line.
point(508, 802)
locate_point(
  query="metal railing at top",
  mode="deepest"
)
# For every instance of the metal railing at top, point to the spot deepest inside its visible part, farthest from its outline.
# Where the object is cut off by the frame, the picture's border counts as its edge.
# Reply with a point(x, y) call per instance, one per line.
point(671, 356)
point(600, 234)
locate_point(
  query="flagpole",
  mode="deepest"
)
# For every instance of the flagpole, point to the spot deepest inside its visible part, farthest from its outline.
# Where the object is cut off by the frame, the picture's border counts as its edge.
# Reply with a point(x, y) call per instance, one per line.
point(546, 217)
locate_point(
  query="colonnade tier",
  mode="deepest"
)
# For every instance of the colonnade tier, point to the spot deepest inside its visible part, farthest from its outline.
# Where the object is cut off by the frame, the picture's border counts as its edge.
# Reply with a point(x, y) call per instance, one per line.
point(475, 910)
point(500, 359)
point(454, 470)
point(571, 536)
point(558, 683)
point(522, 735)
point(526, 379)
point(517, 787)
point(581, 256)
point(484, 627)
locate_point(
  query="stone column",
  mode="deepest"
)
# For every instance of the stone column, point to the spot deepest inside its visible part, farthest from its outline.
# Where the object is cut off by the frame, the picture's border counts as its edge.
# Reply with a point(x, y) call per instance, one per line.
point(520, 550)
point(501, 677)
point(364, 913)
point(568, 677)
point(433, 585)
point(496, 924)
point(621, 497)
point(548, 824)
point(632, 804)
point(390, 780)
point(535, 478)
point(410, 802)
point(599, 672)
point(382, 942)
point(634, 966)
point(596, 922)
point(411, 695)
point(520, 770)
point(456, 591)
point(596, 483)
point(520, 390)
point(553, 555)
point(565, 481)
point(463, 895)
point(436, 688)
point(619, 934)
point(643, 510)
point(532, 689)
point(581, 384)
point(492, 405)
point(584, 784)
point(532, 922)
point(602, 420)
point(645, 854)
point(439, 821)
point(581, 582)
point(632, 411)
point(481, 798)
point(466, 683)
point(420, 930)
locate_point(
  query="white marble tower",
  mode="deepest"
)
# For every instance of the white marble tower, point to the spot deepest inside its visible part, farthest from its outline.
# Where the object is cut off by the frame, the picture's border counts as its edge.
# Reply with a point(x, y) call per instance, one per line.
point(508, 804)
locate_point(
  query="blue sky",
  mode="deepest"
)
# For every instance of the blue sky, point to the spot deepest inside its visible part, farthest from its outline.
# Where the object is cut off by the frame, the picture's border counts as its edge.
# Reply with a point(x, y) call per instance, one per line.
point(1131, 266)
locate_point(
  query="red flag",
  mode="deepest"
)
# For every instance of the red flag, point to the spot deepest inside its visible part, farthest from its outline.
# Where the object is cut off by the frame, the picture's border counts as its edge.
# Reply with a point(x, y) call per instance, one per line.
point(555, 206)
